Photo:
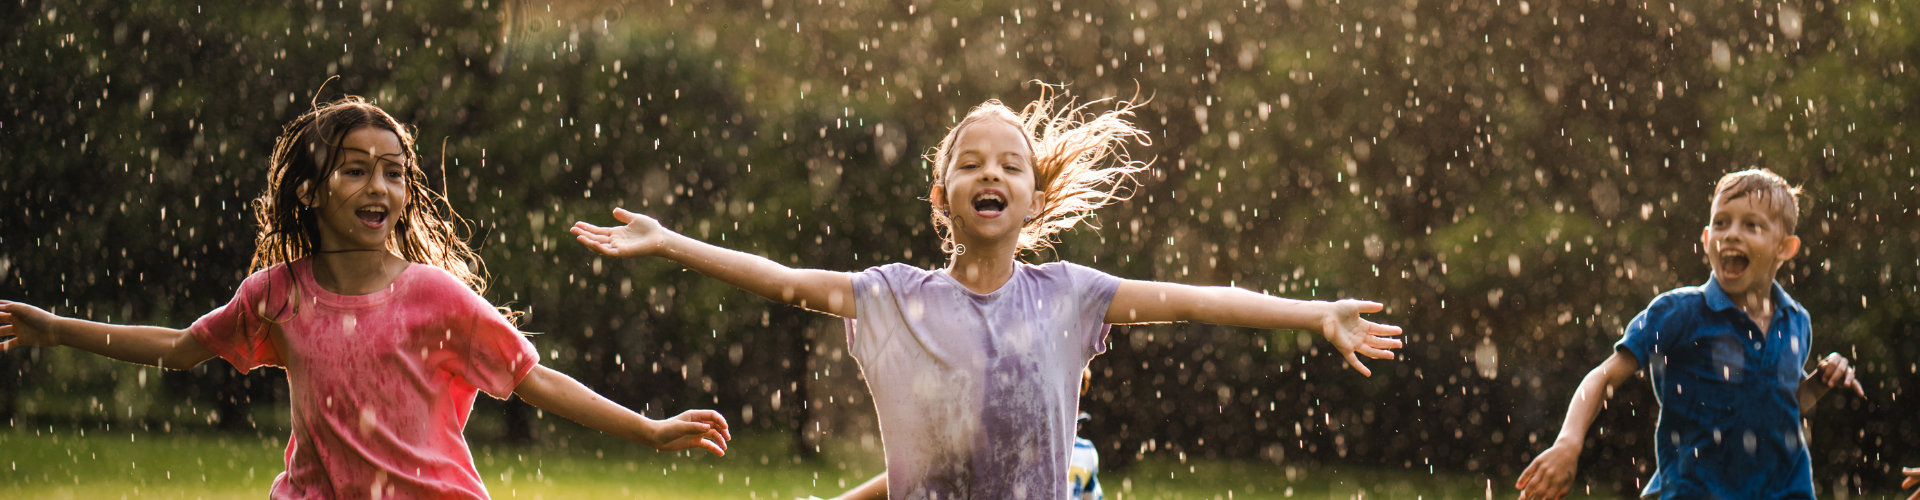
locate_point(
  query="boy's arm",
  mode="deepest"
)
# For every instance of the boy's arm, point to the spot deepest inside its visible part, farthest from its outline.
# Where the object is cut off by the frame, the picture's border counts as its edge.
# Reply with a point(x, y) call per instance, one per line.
point(1340, 322)
point(825, 291)
point(1551, 474)
point(558, 393)
point(147, 345)
point(1833, 371)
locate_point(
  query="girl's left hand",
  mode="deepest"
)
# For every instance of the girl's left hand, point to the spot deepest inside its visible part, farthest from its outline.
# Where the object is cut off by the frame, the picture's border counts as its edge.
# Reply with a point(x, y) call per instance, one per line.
point(703, 429)
point(640, 237)
point(1349, 333)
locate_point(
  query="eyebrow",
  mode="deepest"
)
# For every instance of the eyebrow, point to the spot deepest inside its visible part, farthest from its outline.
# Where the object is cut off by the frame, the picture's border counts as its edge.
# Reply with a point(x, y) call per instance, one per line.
point(377, 157)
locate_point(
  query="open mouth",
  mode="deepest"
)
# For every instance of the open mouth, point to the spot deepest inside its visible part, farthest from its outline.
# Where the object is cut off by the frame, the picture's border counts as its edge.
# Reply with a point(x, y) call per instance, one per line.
point(989, 204)
point(1733, 264)
point(373, 216)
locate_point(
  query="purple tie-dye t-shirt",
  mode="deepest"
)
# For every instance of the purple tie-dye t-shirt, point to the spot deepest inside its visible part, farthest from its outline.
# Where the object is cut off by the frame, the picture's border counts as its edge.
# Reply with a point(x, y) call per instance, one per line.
point(977, 392)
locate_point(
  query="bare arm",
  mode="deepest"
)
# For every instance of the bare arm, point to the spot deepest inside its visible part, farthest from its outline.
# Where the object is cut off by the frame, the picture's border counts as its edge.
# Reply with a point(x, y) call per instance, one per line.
point(558, 393)
point(1340, 322)
point(825, 291)
point(147, 345)
point(873, 489)
point(1551, 474)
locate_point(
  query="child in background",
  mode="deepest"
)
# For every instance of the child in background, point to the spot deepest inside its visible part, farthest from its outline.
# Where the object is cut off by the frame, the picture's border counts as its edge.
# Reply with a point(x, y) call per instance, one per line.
point(364, 294)
point(1083, 471)
point(1727, 359)
point(972, 366)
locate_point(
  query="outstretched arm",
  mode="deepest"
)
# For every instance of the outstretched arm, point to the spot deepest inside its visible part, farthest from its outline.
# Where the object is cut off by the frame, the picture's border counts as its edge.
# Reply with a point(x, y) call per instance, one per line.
point(1551, 474)
point(1833, 372)
point(558, 393)
point(147, 345)
point(825, 291)
point(1340, 322)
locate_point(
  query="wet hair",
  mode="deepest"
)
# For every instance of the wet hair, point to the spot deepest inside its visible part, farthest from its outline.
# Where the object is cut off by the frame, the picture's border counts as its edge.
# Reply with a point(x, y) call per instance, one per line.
point(426, 230)
point(1767, 188)
point(1071, 147)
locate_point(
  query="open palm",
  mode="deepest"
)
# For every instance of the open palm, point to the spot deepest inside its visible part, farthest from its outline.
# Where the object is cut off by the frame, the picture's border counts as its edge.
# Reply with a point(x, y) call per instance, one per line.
point(1351, 334)
point(641, 237)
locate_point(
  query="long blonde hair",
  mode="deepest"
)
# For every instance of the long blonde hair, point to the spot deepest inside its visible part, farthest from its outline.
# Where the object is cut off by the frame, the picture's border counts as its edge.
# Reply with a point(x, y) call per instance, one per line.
point(1070, 167)
point(427, 230)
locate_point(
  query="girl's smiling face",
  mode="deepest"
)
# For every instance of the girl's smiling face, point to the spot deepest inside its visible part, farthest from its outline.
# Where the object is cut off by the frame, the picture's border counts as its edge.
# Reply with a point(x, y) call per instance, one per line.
point(365, 193)
point(989, 186)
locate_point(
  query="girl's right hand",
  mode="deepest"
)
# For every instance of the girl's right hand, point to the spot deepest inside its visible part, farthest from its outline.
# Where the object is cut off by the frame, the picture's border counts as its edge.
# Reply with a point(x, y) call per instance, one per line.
point(1913, 479)
point(28, 325)
point(703, 429)
point(641, 237)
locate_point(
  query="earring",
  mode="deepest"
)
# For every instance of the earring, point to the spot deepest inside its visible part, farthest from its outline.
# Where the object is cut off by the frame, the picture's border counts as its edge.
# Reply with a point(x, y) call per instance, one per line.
point(1028, 220)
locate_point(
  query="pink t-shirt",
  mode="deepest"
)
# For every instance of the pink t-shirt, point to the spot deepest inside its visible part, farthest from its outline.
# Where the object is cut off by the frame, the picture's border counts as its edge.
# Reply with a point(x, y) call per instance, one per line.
point(380, 383)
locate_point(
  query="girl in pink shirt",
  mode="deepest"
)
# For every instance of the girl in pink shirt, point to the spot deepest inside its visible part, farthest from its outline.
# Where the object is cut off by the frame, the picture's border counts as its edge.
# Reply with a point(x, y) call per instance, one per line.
point(364, 294)
point(973, 367)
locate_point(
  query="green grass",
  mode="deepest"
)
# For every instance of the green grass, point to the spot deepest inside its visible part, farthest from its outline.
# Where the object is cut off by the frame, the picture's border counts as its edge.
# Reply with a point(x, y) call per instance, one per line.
point(55, 462)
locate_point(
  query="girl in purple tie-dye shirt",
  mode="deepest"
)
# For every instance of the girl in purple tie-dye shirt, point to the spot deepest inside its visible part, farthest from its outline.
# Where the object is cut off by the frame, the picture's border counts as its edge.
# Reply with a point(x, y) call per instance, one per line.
point(974, 366)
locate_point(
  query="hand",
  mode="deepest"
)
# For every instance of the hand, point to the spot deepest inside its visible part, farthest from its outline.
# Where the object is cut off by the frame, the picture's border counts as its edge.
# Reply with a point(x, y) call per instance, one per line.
point(28, 325)
point(1349, 333)
point(1835, 372)
point(1550, 475)
point(641, 237)
point(704, 429)
point(1913, 479)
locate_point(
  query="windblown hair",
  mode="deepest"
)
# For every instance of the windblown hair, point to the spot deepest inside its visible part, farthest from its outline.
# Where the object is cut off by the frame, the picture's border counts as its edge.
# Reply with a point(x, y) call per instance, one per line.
point(1768, 190)
point(1071, 147)
point(426, 230)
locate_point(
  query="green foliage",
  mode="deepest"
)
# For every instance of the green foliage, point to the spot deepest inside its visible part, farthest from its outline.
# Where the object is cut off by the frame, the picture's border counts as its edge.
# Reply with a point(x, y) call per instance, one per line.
point(1514, 180)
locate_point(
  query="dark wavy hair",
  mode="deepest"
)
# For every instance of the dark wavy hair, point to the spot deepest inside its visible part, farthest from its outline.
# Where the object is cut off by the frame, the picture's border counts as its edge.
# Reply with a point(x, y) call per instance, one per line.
point(427, 230)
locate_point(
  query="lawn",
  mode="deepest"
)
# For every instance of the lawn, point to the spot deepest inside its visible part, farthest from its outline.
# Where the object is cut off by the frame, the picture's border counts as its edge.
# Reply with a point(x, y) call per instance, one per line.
point(53, 462)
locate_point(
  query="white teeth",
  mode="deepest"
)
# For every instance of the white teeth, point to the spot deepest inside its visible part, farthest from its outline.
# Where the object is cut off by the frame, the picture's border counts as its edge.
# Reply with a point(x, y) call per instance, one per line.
point(375, 209)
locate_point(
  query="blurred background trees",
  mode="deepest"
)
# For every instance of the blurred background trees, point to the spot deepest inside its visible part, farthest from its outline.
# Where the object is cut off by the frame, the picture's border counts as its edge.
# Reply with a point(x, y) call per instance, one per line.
point(1515, 179)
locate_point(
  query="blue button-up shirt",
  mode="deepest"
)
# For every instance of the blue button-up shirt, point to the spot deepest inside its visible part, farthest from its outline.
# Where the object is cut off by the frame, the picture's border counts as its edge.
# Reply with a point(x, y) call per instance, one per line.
point(1729, 416)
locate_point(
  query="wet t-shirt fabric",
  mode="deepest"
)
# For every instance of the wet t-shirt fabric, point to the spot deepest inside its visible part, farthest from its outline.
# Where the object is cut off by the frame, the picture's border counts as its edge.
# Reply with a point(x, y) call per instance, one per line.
point(977, 393)
point(380, 384)
point(1729, 419)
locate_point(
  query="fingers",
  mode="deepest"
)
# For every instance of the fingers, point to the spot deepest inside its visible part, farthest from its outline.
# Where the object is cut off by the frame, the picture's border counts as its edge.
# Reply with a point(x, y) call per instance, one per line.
point(623, 215)
point(7, 346)
point(1525, 477)
point(582, 228)
point(1368, 306)
point(1382, 343)
point(1374, 353)
point(1380, 330)
point(716, 422)
point(1355, 362)
point(597, 246)
point(1857, 388)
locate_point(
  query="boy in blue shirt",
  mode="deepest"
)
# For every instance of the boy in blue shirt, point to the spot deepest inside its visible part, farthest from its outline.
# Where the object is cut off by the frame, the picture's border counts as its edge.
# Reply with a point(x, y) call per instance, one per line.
point(1727, 360)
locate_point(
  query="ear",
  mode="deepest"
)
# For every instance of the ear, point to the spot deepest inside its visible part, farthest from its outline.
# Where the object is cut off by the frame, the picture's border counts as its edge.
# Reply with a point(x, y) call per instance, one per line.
point(1788, 248)
point(1039, 203)
point(1704, 239)
point(937, 195)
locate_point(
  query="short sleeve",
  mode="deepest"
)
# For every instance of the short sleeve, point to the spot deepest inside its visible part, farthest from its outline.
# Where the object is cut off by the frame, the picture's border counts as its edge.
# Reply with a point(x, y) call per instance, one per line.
point(491, 354)
point(1095, 296)
point(237, 332)
point(872, 301)
point(1652, 332)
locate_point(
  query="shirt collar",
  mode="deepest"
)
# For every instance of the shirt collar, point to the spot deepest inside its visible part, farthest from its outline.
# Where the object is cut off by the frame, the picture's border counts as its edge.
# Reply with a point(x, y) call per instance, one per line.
point(1718, 300)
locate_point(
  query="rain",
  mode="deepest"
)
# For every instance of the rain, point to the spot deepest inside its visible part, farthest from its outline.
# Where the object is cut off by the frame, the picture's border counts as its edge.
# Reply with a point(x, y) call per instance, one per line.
point(1514, 179)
